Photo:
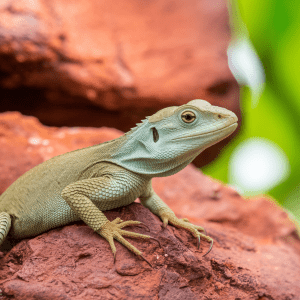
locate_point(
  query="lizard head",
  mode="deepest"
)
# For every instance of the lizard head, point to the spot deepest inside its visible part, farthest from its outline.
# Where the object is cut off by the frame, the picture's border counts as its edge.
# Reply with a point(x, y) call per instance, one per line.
point(167, 141)
point(197, 124)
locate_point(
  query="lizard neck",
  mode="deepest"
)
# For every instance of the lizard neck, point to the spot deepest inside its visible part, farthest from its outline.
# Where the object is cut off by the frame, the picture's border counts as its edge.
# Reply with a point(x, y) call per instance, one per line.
point(143, 157)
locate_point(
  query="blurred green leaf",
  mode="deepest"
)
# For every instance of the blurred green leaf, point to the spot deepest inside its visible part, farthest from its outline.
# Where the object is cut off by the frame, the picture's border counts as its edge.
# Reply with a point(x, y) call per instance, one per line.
point(273, 28)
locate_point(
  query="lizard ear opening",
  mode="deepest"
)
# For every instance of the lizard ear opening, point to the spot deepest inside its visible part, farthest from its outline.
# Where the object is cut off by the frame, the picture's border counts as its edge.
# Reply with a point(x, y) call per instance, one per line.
point(155, 134)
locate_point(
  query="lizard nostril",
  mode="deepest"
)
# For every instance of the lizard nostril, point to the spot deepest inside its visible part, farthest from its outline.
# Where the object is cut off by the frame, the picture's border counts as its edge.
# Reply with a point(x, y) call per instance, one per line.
point(219, 116)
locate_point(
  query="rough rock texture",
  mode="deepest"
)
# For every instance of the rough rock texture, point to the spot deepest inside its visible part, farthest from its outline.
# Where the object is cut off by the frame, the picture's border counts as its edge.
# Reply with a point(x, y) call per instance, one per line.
point(73, 262)
point(256, 253)
point(194, 194)
point(91, 63)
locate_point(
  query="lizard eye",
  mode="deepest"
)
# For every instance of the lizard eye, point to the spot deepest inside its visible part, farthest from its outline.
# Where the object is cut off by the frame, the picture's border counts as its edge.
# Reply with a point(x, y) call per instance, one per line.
point(188, 116)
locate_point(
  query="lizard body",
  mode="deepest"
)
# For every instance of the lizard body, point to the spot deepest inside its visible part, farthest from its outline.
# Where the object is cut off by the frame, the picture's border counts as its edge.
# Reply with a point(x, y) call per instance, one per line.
point(79, 185)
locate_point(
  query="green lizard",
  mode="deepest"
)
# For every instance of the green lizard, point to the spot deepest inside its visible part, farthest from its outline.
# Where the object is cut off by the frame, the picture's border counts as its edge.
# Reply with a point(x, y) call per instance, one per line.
point(79, 185)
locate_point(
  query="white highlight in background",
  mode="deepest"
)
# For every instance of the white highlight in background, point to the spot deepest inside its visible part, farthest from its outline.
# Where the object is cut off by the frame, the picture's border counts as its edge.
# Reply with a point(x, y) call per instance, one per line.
point(243, 60)
point(257, 165)
point(246, 67)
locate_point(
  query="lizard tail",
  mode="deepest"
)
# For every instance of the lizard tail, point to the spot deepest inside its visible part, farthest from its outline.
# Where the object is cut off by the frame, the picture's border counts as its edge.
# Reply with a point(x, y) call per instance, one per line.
point(5, 223)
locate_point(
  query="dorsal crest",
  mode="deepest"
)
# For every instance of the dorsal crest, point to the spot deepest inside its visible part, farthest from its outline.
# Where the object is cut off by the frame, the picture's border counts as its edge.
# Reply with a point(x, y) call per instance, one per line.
point(162, 114)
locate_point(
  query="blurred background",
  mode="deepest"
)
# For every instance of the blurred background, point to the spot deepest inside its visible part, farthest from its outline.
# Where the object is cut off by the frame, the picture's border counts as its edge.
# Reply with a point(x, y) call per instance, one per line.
point(264, 56)
point(111, 63)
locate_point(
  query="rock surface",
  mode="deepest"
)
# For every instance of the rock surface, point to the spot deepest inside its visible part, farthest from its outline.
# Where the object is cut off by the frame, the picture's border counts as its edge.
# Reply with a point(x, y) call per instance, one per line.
point(115, 53)
point(93, 63)
point(256, 253)
point(73, 262)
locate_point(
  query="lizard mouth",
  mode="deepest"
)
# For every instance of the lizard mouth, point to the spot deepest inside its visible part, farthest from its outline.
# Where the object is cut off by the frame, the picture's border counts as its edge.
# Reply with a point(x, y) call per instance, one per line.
point(228, 129)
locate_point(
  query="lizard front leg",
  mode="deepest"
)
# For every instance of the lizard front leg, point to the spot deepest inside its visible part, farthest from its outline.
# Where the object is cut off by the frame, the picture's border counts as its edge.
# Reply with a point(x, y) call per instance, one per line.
point(152, 201)
point(107, 193)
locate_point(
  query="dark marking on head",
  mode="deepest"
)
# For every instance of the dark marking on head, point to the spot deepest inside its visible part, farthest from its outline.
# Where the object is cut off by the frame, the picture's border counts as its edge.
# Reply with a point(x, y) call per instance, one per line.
point(155, 134)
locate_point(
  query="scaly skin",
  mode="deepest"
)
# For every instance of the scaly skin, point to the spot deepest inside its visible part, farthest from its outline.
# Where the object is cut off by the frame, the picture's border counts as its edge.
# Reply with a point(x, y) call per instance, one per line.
point(81, 184)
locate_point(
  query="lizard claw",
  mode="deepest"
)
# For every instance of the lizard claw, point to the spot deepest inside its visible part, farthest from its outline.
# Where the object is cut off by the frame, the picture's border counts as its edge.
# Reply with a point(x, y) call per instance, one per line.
point(142, 224)
point(146, 260)
point(156, 241)
point(211, 245)
point(198, 242)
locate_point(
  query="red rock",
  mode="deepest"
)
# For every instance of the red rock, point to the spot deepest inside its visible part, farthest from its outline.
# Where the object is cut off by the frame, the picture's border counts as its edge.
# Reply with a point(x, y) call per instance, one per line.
point(190, 193)
point(154, 50)
point(256, 253)
point(95, 63)
point(73, 262)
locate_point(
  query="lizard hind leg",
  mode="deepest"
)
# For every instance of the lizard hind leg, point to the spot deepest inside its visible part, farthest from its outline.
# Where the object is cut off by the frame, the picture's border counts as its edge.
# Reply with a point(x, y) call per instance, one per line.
point(5, 224)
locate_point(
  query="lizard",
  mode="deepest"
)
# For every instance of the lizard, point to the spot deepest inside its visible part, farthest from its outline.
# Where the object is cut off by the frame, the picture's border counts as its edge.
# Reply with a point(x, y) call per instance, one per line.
point(81, 184)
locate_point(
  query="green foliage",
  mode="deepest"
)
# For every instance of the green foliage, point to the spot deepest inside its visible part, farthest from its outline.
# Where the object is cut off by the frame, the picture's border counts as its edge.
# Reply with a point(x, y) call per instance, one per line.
point(273, 27)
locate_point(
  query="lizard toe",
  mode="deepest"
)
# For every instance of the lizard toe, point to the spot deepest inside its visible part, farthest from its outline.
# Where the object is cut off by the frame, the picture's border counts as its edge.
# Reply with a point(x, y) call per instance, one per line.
point(117, 221)
point(133, 234)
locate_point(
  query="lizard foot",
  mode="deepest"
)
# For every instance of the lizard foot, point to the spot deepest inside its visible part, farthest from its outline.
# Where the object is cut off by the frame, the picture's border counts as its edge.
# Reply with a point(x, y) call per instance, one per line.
point(168, 216)
point(198, 227)
point(113, 230)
